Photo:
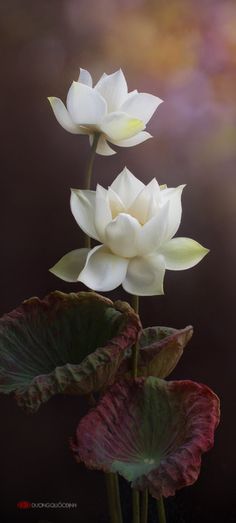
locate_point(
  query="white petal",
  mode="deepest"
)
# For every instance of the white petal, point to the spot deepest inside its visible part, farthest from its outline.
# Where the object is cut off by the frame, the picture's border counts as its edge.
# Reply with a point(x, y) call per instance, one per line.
point(153, 232)
point(82, 204)
point(85, 105)
point(121, 235)
point(173, 196)
point(154, 205)
point(141, 105)
point(141, 205)
point(102, 215)
point(127, 186)
point(102, 147)
point(85, 77)
point(131, 93)
point(182, 253)
point(113, 88)
point(135, 140)
point(145, 276)
point(104, 75)
point(115, 203)
point(63, 117)
point(119, 126)
point(69, 267)
point(103, 270)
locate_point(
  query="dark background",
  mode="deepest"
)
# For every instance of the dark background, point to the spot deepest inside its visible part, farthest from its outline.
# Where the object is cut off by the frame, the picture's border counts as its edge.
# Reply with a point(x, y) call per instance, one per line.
point(185, 52)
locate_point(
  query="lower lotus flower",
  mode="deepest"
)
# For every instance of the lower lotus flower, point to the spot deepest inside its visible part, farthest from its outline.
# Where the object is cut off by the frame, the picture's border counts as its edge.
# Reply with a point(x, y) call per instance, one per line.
point(135, 225)
point(150, 431)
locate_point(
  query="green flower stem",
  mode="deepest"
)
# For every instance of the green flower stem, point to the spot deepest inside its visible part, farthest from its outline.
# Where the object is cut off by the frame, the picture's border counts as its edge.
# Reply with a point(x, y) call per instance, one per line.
point(135, 305)
point(135, 302)
point(135, 506)
point(89, 169)
point(88, 176)
point(144, 506)
point(135, 493)
point(161, 510)
point(113, 497)
point(110, 497)
point(117, 498)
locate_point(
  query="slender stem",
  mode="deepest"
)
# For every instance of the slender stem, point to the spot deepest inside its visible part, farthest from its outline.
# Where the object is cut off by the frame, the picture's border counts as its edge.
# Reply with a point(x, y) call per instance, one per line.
point(135, 302)
point(135, 493)
point(135, 305)
point(111, 497)
point(161, 510)
point(144, 506)
point(89, 169)
point(88, 176)
point(117, 498)
point(135, 506)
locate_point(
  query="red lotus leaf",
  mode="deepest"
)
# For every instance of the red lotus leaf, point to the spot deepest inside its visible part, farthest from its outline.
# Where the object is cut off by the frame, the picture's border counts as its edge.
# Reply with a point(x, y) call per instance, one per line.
point(151, 431)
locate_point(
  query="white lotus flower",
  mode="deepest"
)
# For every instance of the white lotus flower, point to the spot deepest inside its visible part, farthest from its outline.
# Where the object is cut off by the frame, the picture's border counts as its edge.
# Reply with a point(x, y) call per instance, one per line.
point(135, 223)
point(107, 108)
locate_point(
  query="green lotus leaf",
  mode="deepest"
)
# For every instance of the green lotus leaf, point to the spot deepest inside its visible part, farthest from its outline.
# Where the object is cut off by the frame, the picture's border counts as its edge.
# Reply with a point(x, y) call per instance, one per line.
point(160, 349)
point(150, 431)
point(66, 343)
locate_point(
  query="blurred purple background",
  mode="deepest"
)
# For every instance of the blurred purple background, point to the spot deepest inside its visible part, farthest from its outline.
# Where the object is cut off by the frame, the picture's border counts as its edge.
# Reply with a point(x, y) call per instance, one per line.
point(184, 52)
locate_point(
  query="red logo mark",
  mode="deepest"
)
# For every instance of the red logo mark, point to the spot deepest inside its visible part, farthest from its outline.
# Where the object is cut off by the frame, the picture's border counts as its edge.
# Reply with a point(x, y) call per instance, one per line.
point(24, 504)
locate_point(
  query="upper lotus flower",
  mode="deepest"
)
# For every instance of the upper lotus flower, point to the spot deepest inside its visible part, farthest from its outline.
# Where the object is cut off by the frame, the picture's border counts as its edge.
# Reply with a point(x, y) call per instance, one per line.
point(135, 224)
point(108, 109)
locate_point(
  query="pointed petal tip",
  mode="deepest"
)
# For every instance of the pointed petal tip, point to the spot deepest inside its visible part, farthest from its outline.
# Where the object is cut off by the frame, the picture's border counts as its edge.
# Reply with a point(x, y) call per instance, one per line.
point(74, 190)
point(99, 187)
point(181, 187)
point(159, 101)
point(204, 251)
point(62, 115)
point(183, 253)
point(118, 71)
point(52, 270)
point(52, 99)
point(69, 267)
